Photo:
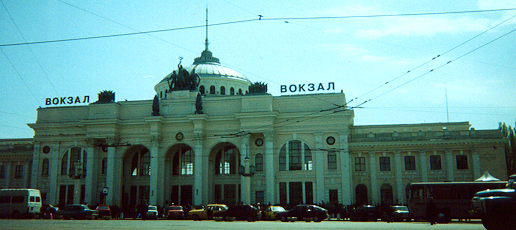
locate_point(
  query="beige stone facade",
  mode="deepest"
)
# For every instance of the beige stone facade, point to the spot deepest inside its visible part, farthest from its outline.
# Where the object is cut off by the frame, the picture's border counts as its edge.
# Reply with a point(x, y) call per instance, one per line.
point(242, 147)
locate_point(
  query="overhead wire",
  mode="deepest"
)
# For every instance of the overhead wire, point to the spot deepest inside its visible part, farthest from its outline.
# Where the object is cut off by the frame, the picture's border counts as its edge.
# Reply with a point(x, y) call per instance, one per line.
point(261, 18)
point(431, 60)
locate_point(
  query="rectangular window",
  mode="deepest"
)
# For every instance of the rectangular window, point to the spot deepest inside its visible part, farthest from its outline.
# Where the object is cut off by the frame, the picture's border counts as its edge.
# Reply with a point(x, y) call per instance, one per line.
point(410, 163)
point(435, 162)
point(332, 160)
point(18, 171)
point(385, 164)
point(360, 164)
point(2, 171)
point(295, 192)
point(462, 161)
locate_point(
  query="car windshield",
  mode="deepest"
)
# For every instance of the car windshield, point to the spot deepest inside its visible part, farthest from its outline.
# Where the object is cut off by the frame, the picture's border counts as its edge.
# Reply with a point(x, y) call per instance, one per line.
point(400, 208)
point(152, 208)
point(277, 209)
point(102, 207)
point(176, 208)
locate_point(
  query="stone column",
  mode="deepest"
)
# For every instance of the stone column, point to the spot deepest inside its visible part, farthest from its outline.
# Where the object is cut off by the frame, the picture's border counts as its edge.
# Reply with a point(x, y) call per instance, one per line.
point(374, 178)
point(36, 165)
point(476, 164)
point(55, 171)
point(450, 166)
point(318, 162)
point(245, 181)
point(270, 170)
point(156, 173)
point(346, 174)
point(92, 172)
point(113, 176)
point(8, 169)
point(400, 194)
point(200, 171)
point(423, 165)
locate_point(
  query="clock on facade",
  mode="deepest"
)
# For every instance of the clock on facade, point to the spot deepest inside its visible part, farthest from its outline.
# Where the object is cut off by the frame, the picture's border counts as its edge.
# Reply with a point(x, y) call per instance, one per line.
point(258, 142)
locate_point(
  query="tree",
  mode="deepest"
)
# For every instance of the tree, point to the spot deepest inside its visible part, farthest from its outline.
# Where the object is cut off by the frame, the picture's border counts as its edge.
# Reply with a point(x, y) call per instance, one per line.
point(510, 147)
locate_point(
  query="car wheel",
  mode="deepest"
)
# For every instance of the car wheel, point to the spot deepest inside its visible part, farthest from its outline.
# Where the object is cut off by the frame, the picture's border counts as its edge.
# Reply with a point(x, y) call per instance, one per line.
point(196, 217)
point(284, 219)
point(317, 219)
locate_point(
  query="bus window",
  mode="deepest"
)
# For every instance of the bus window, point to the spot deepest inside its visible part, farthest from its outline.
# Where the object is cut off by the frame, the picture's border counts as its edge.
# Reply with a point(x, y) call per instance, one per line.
point(5, 199)
point(17, 199)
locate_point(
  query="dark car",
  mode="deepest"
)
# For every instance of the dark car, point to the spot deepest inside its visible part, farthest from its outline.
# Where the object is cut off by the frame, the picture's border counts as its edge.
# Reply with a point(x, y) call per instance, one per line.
point(77, 211)
point(104, 211)
point(365, 213)
point(239, 212)
point(306, 212)
point(175, 212)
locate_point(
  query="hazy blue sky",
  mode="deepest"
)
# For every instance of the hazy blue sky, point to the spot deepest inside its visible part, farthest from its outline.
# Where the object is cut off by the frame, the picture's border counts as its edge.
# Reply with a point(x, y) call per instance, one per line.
point(290, 45)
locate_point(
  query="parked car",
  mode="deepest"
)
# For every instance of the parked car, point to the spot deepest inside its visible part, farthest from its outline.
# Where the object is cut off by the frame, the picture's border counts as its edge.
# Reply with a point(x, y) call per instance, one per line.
point(175, 212)
point(365, 213)
point(271, 211)
point(152, 213)
point(77, 211)
point(306, 212)
point(239, 212)
point(104, 211)
point(206, 213)
point(400, 213)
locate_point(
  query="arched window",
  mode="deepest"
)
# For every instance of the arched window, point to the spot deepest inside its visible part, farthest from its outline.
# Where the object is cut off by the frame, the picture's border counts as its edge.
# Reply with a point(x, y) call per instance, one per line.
point(183, 161)
point(201, 89)
point(258, 162)
point(64, 164)
point(386, 194)
point(212, 89)
point(226, 160)
point(44, 167)
point(222, 90)
point(239, 91)
point(295, 155)
point(231, 91)
point(140, 164)
point(73, 162)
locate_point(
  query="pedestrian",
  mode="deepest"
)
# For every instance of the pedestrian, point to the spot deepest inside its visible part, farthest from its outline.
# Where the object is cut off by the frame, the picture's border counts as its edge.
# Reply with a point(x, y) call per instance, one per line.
point(431, 211)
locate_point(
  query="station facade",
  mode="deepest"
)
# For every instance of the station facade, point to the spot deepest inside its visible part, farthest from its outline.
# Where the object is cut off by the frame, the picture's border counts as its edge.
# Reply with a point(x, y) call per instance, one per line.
point(214, 140)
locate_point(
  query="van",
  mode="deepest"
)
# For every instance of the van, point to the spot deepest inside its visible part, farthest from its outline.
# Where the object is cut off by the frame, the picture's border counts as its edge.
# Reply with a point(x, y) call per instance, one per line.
point(18, 203)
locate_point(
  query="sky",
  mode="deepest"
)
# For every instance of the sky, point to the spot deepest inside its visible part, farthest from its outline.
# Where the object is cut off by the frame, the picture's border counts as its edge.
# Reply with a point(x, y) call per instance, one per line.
point(398, 62)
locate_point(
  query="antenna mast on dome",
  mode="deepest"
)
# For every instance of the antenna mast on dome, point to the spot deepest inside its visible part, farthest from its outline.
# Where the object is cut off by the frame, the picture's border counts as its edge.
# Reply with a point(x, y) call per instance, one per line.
point(206, 41)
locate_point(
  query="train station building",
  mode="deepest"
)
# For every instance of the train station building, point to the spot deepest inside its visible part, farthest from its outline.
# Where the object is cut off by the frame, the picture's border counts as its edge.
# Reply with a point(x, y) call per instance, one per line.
point(212, 136)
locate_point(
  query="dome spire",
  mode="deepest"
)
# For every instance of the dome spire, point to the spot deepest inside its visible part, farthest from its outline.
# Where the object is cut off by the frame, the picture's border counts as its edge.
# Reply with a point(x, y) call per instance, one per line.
point(206, 41)
point(206, 55)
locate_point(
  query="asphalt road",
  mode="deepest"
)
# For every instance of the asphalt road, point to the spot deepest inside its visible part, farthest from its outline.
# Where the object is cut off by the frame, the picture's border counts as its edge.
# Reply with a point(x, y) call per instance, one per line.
point(237, 225)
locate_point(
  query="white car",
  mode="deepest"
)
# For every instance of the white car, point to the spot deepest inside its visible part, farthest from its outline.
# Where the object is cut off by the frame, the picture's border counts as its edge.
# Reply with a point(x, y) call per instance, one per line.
point(152, 212)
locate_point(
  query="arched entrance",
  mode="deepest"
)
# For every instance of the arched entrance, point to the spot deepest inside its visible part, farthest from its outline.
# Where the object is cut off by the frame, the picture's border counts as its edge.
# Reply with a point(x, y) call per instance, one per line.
point(223, 177)
point(361, 194)
point(136, 177)
point(179, 174)
point(386, 194)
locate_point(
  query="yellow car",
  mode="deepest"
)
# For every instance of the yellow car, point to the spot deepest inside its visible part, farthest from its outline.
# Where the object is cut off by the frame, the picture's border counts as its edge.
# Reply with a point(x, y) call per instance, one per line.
point(270, 212)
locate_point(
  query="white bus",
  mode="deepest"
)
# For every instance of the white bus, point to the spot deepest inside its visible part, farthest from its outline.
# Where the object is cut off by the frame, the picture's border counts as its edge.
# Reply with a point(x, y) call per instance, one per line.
point(17, 203)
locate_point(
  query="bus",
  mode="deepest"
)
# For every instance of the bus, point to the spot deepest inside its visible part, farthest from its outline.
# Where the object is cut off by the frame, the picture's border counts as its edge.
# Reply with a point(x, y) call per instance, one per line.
point(17, 203)
point(452, 199)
